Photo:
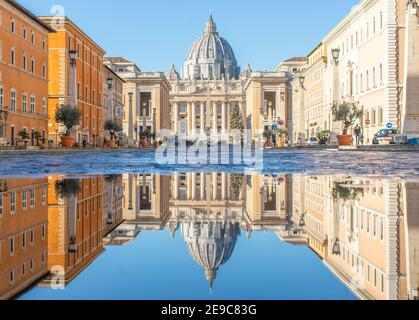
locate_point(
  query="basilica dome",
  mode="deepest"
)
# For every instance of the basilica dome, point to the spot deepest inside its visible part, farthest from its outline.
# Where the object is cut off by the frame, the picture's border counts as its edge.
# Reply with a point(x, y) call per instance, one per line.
point(210, 57)
point(210, 244)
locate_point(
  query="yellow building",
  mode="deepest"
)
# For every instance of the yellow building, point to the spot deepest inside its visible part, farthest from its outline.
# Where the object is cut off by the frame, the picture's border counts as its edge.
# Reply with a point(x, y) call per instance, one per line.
point(79, 82)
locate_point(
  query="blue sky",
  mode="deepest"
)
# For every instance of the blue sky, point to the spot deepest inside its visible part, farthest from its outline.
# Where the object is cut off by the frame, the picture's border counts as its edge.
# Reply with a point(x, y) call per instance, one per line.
point(157, 33)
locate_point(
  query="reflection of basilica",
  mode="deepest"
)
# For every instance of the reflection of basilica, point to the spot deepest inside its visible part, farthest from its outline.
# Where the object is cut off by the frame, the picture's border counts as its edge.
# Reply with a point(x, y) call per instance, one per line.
point(365, 230)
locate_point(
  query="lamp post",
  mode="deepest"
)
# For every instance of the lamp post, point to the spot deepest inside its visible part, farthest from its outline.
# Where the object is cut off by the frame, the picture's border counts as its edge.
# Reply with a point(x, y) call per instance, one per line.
point(109, 82)
point(154, 123)
point(130, 127)
point(72, 94)
point(334, 125)
point(301, 129)
point(144, 130)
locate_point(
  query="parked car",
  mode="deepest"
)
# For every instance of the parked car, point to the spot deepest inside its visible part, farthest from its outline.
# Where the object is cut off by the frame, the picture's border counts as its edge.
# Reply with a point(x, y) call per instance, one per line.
point(312, 141)
point(389, 136)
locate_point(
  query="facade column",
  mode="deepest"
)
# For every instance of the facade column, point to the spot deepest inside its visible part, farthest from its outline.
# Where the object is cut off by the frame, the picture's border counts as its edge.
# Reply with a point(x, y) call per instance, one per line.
point(176, 187)
point(193, 128)
point(214, 186)
point(193, 186)
point(224, 185)
point(214, 118)
point(189, 117)
point(224, 118)
point(202, 186)
point(175, 117)
point(202, 119)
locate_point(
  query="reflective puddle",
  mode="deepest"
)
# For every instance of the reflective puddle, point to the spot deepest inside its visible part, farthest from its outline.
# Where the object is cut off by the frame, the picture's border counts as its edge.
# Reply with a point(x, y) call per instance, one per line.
point(209, 236)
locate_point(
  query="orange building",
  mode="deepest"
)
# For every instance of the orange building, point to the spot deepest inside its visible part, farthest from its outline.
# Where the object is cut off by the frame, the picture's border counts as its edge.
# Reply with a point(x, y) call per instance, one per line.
point(76, 229)
point(23, 234)
point(23, 74)
point(85, 88)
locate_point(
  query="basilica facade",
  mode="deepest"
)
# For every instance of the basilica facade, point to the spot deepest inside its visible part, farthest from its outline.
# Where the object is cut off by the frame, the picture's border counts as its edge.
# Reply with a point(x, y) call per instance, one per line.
point(210, 86)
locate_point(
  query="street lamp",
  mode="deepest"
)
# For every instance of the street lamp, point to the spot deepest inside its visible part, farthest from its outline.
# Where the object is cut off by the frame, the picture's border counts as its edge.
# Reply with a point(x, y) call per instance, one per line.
point(335, 55)
point(302, 80)
point(109, 82)
point(73, 55)
point(72, 246)
point(109, 221)
point(336, 248)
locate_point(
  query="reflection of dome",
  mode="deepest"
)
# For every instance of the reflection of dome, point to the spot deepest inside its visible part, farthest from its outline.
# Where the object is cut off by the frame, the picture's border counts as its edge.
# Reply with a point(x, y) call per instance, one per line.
point(210, 244)
point(211, 57)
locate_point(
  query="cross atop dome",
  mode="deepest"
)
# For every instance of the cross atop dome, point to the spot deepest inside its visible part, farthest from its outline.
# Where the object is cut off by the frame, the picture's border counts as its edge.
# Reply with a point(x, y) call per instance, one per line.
point(211, 27)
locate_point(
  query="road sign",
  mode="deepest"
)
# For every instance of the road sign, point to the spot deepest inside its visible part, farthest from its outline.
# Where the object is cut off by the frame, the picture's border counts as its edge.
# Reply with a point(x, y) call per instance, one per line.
point(389, 125)
point(274, 127)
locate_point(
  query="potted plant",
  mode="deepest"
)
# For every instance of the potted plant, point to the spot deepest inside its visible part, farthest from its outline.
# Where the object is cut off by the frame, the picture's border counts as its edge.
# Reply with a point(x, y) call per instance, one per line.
point(69, 116)
point(23, 138)
point(37, 136)
point(112, 127)
point(347, 113)
point(323, 136)
point(282, 131)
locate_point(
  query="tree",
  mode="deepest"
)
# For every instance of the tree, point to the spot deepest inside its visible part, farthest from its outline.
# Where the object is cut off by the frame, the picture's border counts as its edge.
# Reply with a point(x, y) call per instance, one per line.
point(236, 120)
point(347, 113)
point(112, 126)
point(37, 136)
point(236, 181)
point(66, 188)
point(68, 116)
point(23, 135)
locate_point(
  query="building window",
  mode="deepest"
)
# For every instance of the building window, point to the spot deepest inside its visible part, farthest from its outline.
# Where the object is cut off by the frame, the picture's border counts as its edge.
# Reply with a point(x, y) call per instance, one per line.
point(381, 74)
point(44, 231)
point(24, 199)
point(13, 26)
point(24, 64)
point(44, 71)
point(12, 202)
point(24, 33)
point(44, 45)
point(373, 25)
point(367, 79)
point(13, 99)
point(381, 20)
point(31, 264)
point(1, 205)
point(1, 98)
point(25, 103)
point(373, 78)
point(382, 229)
point(44, 105)
point(32, 197)
point(24, 239)
point(12, 56)
point(33, 38)
point(374, 117)
point(12, 246)
point(32, 236)
point(32, 104)
point(380, 116)
point(33, 66)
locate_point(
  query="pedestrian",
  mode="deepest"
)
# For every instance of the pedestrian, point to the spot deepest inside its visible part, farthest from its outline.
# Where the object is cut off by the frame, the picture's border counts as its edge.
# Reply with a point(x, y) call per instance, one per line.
point(357, 133)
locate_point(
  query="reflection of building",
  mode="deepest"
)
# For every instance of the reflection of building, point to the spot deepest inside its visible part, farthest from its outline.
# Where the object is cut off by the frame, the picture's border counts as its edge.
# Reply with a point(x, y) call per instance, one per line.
point(145, 206)
point(210, 209)
point(23, 234)
point(79, 84)
point(364, 230)
point(76, 225)
point(23, 74)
